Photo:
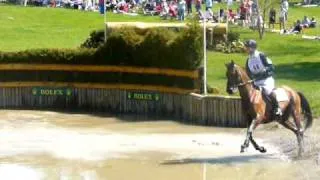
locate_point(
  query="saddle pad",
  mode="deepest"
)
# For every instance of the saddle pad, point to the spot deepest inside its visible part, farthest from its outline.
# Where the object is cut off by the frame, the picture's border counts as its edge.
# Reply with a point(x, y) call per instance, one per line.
point(281, 94)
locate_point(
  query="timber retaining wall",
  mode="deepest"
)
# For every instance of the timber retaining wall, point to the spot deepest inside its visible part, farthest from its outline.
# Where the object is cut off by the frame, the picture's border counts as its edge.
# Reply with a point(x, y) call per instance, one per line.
point(188, 108)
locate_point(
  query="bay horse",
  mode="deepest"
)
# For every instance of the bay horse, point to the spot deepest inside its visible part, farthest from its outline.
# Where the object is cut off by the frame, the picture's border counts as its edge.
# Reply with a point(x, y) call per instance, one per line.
point(259, 111)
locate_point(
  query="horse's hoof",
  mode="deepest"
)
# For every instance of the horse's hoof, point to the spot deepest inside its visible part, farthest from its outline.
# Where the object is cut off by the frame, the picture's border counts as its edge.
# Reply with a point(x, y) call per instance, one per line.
point(242, 149)
point(263, 150)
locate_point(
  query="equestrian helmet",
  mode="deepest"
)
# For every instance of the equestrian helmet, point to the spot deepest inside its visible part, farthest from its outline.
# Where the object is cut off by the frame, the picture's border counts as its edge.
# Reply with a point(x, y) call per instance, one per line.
point(251, 44)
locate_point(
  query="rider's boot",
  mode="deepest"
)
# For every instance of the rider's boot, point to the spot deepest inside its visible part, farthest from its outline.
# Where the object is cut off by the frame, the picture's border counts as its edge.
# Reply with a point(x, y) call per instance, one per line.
point(275, 104)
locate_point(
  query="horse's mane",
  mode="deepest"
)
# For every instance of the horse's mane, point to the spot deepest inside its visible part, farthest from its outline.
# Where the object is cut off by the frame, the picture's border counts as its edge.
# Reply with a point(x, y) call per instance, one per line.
point(243, 73)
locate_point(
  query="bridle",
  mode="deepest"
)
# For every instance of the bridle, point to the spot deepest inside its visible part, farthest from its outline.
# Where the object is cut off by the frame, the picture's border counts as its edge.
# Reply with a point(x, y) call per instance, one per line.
point(245, 83)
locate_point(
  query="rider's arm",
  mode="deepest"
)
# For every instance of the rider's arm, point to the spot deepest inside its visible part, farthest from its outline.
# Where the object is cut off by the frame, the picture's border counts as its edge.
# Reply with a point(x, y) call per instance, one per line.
point(248, 70)
point(269, 68)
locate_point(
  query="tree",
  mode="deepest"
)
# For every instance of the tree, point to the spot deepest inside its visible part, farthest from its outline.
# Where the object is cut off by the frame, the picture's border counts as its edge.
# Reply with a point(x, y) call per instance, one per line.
point(263, 8)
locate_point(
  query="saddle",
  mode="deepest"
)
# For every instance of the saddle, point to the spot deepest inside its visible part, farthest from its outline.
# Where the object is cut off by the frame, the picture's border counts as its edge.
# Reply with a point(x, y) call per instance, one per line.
point(281, 96)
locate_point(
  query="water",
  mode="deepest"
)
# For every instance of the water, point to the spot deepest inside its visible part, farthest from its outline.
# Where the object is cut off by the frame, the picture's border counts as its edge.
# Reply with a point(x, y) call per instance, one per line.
point(48, 145)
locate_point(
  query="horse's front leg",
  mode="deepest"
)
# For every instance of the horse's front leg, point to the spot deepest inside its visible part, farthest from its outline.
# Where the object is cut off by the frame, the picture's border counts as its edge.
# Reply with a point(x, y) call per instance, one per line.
point(245, 145)
point(256, 146)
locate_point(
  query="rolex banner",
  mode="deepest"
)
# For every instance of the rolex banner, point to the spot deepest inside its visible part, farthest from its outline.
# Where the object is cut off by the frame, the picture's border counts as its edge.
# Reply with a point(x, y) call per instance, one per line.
point(143, 96)
point(40, 91)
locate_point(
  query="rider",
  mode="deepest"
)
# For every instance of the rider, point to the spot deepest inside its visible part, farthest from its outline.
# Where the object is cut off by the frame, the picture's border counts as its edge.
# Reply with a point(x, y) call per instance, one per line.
point(260, 69)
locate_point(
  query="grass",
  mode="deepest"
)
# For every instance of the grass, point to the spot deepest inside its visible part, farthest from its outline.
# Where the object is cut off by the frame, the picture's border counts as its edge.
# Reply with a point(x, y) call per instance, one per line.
point(297, 61)
point(29, 27)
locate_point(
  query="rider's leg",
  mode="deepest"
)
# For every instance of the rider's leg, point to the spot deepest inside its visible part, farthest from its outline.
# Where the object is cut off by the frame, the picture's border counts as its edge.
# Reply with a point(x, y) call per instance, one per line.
point(275, 104)
point(268, 87)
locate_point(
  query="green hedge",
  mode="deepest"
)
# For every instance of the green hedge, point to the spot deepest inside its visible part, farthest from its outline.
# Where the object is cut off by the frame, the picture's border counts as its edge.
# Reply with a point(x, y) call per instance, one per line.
point(50, 56)
point(157, 47)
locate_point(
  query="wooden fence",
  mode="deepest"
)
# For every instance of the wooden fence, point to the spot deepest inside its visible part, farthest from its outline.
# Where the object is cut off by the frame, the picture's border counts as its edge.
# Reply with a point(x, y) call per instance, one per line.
point(187, 108)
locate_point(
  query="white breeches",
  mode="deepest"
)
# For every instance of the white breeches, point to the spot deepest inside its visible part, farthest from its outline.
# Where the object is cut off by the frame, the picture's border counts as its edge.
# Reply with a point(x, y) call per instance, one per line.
point(266, 84)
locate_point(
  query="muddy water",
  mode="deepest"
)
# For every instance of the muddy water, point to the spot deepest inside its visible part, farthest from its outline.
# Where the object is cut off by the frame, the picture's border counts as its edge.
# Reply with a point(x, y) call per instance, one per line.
point(48, 145)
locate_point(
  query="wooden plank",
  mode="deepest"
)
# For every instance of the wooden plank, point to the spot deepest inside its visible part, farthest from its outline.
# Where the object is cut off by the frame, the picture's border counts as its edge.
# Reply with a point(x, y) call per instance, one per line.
point(99, 86)
point(208, 110)
point(220, 28)
point(99, 68)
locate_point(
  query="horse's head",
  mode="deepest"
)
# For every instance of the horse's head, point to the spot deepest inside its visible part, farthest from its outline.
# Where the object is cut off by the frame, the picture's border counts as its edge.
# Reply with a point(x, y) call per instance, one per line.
point(233, 76)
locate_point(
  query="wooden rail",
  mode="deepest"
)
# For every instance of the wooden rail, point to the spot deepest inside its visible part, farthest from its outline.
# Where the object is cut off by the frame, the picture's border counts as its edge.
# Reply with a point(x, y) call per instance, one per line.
point(220, 28)
point(163, 89)
point(99, 68)
point(186, 108)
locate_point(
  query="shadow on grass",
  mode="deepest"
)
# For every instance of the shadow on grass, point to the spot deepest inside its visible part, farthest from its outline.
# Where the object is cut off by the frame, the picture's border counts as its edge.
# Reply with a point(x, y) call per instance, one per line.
point(219, 160)
point(303, 71)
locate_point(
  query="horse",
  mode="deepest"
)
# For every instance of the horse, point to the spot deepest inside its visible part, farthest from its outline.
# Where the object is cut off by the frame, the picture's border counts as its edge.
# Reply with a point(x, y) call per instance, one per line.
point(259, 111)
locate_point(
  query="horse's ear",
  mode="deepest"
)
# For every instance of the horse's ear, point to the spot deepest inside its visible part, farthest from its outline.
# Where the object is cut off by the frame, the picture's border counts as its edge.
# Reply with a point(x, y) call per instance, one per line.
point(232, 63)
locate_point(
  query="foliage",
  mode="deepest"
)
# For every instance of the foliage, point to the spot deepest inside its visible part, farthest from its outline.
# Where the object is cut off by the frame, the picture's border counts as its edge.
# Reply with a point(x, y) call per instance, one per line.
point(233, 36)
point(232, 45)
point(47, 56)
point(157, 47)
point(95, 40)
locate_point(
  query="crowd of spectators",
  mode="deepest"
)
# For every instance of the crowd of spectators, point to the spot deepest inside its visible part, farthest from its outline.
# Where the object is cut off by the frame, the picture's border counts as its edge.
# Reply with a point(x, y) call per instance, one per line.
point(174, 9)
point(246, 14)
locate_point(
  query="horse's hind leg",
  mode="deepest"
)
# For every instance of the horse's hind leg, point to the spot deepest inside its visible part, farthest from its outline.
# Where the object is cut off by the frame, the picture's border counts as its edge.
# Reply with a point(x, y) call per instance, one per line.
point(299, 134)
point(289, 125)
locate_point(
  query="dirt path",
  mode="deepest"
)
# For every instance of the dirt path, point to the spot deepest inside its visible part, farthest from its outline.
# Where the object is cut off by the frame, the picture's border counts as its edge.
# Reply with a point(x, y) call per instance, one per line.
point(47, 145)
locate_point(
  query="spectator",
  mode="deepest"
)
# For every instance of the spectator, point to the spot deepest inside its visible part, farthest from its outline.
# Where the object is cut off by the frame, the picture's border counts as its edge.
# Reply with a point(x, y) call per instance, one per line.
point(272, 17)
point(207, 16)
point(181, 9)
point(243, 14)
point(173, 9)
point(165, 9)
point(122, 7)
point(208, 4)
point(285, 9)
point(297, 27)
point(231, 16)
point(222, 15)
point(101, 6)
point(313, 22)
point(306, 22)
point(282, 20)
point(189, 6)
point(198, 5)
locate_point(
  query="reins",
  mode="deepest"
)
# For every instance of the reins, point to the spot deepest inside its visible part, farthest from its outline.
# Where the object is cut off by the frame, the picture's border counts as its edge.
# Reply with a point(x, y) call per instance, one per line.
point(245, 83)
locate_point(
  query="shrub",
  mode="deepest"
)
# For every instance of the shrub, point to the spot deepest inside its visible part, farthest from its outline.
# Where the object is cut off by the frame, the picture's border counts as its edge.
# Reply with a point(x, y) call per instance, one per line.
point(155, 47)
point(49, 56)
point(233, 36)
point(95, 40)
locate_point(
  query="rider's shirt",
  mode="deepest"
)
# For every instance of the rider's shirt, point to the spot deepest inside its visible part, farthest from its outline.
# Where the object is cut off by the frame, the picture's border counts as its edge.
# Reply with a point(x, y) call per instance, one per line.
point(255, 63)
point(260, 68)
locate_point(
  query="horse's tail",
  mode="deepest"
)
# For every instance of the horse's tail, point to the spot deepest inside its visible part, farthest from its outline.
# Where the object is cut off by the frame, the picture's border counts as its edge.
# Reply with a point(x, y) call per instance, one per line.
point(306, 110)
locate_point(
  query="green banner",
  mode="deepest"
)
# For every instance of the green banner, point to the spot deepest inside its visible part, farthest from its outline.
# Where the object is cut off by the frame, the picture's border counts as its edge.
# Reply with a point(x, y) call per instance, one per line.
point(147, 96)
point(44, 91)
